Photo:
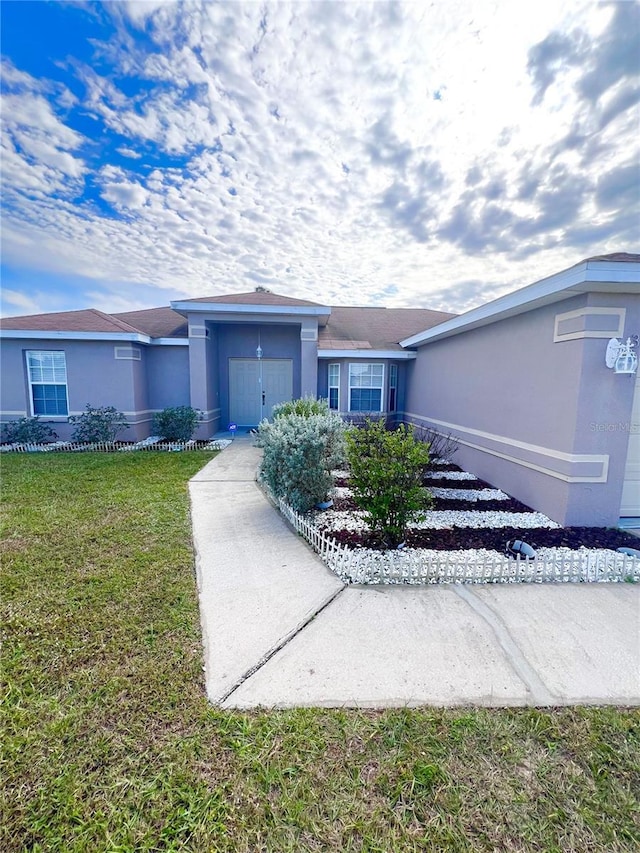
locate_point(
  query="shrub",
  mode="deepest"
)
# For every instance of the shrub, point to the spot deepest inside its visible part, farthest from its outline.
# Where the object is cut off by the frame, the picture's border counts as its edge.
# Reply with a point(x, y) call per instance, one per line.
point(386, 477)
point(441, 445)
point(98, 423)
point(176, 424)
point(304, 406)
point(299, 453)
point(28, 431)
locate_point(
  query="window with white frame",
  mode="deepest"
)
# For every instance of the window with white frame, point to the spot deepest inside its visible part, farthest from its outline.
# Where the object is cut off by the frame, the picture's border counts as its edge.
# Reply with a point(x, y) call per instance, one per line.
point(365, 387)
point(47, 371)
point(393, 387)
point(334, 386)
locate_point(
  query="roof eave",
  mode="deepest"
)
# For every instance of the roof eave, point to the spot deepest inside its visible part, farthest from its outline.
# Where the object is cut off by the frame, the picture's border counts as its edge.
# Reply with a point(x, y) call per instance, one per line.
point(60, 335)
point(187, 307)
point(582, 278)
point(401, 355)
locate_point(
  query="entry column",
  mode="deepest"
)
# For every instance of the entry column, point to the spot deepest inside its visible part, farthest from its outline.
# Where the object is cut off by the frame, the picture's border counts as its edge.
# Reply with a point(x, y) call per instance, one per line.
point(202, 384)
point(309, 357)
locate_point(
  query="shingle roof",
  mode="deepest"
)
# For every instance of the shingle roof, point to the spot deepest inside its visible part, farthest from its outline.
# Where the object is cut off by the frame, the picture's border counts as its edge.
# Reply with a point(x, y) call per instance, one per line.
point(347, 328)
point(256, 297)
point(376, 328)
point(86, 320)
point(618, 257)
point(157, 322)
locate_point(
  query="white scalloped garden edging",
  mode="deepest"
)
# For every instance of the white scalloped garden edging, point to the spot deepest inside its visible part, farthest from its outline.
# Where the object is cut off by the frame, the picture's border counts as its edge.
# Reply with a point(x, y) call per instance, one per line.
point(154, 442)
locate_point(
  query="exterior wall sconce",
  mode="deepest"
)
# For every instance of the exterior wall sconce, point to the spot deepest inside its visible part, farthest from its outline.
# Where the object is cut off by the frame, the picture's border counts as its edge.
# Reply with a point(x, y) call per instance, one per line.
point(259, 352)
point(621, 357)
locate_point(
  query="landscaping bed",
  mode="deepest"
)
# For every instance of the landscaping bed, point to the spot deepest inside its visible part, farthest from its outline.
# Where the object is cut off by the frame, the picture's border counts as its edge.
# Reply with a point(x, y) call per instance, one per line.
point(465, 545)
point(467, 514)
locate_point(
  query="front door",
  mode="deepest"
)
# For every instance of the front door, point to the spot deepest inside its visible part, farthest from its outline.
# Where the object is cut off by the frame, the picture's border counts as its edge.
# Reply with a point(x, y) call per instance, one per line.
point(256, 386)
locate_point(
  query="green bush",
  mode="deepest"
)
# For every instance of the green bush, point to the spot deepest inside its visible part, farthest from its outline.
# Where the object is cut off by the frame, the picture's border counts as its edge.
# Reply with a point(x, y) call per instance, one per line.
point(176, 424)
point(304, 406)
point(28, 431)
point(299, 453)
point(386, 477)
point(98, 423)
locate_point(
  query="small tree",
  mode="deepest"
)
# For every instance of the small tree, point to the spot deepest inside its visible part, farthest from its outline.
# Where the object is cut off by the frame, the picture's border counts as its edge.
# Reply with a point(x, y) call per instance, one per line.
point(176, 423)
point(28, 431)
point(98, 423)
point(386, 477)
point(299, 453)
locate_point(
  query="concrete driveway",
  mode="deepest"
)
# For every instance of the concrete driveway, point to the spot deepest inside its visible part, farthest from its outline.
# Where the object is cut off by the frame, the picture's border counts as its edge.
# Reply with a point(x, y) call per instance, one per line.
point(280, 629)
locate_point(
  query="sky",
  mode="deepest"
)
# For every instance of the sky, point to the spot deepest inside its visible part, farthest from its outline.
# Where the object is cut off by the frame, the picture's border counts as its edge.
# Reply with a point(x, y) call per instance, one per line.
point(423, 154)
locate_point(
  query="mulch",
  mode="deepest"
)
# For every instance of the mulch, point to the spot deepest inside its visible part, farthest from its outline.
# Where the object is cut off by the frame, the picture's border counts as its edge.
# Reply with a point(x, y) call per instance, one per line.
point(490, 538)
point(496, 538)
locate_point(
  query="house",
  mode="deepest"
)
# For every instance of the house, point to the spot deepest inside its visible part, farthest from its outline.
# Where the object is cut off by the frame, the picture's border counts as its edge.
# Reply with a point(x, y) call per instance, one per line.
point(521, 381)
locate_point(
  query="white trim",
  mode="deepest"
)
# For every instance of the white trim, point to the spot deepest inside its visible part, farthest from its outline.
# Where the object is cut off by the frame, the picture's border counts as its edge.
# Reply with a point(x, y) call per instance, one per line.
point(127, 354)
point(241, 308)
point(330, 386)
point(367, 387)
point(585, 277)
point(170, 342)
point(198, 332)
point(139, 338)
point(558, 337)
point(31, 383)
point(23, 334)
point(367, 354)
point(393, 369)
point(560, 455)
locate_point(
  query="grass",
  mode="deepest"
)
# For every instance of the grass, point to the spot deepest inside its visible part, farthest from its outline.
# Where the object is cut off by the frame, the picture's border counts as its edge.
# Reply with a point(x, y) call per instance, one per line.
point(109, 744)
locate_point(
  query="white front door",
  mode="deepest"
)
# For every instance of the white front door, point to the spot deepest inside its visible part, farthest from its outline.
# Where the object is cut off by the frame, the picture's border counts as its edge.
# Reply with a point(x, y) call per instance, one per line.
point(256, 386)
point(630, 506)
point(277, 383)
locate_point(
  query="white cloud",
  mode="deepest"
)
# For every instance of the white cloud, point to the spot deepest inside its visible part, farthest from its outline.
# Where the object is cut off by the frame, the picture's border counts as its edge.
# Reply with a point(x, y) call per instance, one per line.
point(129, 152)
point(19, 303)
point(330, 149)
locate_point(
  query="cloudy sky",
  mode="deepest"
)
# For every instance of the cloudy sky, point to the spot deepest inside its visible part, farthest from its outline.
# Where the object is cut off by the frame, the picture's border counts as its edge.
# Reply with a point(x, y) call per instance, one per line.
point(433, 154)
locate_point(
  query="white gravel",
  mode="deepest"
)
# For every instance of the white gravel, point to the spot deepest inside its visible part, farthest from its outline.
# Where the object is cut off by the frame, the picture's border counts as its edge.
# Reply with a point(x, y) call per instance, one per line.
point(449, 475)
point(470, 494)
point(442, 520)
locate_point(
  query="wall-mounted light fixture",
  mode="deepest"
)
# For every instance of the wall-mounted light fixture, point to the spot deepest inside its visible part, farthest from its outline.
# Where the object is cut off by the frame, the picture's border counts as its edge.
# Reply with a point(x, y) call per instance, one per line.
point(259, 348)
point(620, 355)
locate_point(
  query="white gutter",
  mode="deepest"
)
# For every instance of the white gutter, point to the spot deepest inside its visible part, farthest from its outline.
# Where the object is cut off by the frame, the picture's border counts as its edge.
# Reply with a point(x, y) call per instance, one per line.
point(400, 355)
point(40, 335)
point(169, 342)
point(230, 308)
point(129, 337)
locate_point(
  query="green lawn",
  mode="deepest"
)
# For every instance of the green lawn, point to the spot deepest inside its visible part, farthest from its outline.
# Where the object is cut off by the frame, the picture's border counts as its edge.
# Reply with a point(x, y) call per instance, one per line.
point(109, 744)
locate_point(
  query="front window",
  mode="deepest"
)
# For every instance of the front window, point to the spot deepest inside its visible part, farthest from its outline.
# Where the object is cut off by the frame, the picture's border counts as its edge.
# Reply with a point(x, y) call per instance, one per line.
point(47, 382)
point(393, 387)
point(334, 386)
point(365, 387)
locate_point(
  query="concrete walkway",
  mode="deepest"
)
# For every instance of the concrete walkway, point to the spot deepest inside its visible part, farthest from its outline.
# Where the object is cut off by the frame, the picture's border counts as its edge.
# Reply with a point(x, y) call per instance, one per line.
point(281, 630)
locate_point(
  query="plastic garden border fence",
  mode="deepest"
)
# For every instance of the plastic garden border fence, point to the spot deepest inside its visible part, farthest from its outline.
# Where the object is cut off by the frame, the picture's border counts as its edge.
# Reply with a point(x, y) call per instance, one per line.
point(110, 446)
